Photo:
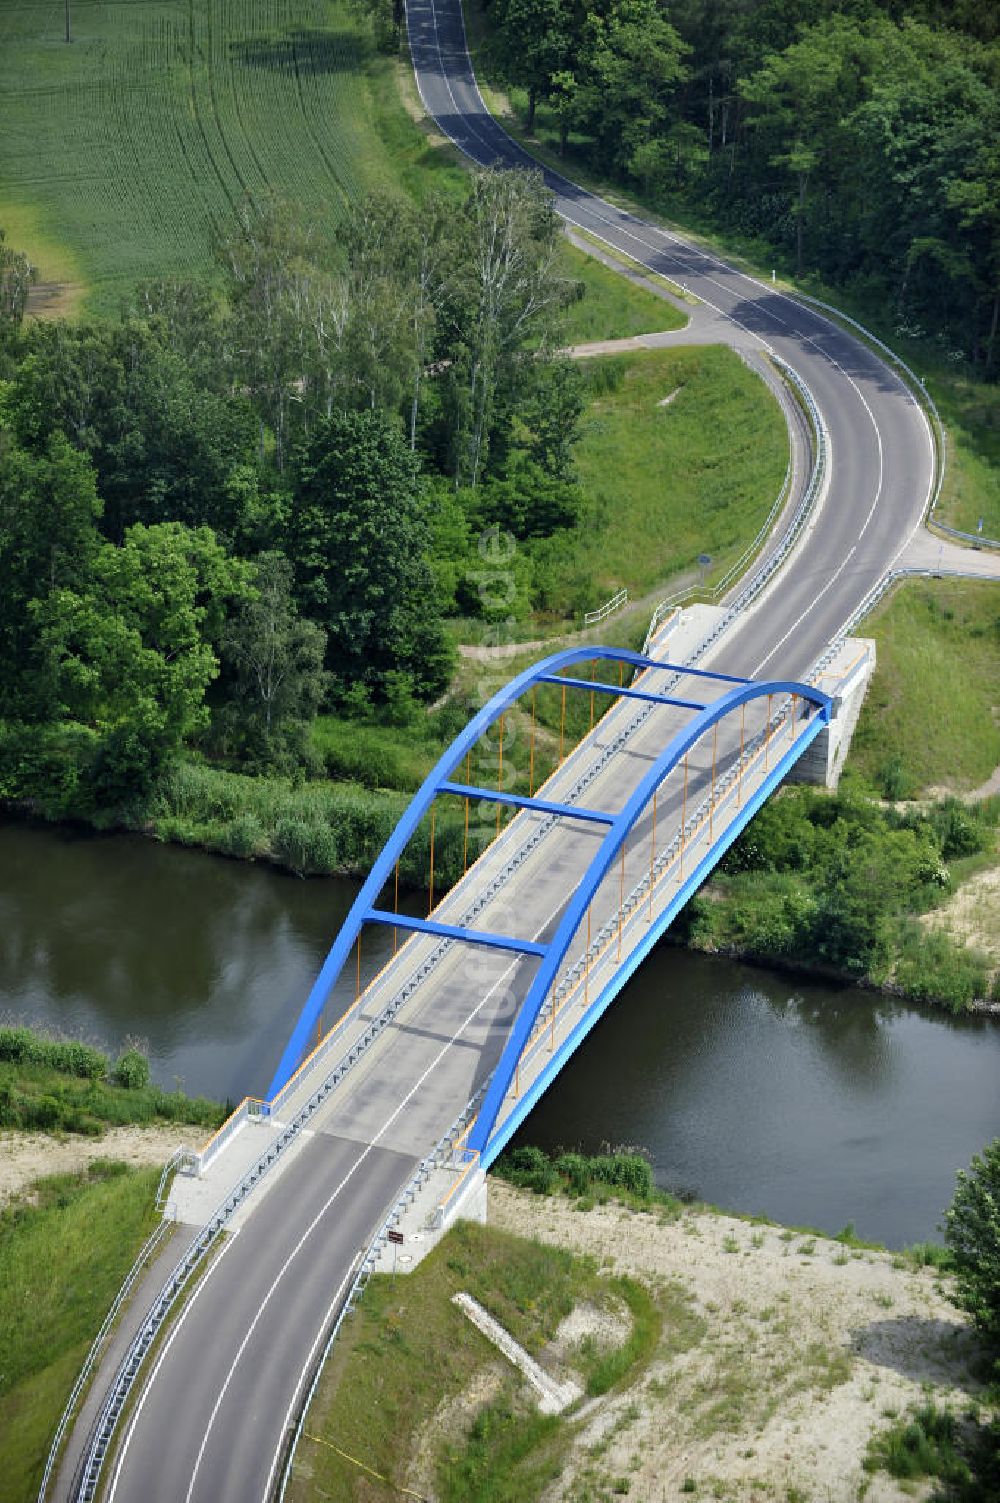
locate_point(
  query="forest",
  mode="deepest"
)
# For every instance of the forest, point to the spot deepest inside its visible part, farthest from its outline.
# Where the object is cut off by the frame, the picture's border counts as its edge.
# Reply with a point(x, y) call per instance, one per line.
point(246, 499)
point(853, 139)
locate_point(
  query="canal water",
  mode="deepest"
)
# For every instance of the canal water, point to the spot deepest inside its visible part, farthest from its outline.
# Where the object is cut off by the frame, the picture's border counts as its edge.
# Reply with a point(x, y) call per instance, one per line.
point(760, 1092)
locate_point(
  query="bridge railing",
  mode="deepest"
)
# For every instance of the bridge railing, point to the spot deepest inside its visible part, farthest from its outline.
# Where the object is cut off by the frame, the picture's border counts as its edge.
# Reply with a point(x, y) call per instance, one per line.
point(653, 890)
point(591, 618)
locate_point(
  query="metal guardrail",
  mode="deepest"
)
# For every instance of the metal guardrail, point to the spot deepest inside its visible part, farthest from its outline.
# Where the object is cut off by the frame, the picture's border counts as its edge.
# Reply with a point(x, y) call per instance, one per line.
point(366, 1264)
point(763, 576)
point(591, 618)
point(184, 1160)
point(149, 1247)
point(938, 430)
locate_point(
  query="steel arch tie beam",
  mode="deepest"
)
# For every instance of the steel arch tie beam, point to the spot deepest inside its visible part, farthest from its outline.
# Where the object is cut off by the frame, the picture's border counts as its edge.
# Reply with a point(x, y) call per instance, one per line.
point(519, 801)
point(453, 931)
point(609, 851)
point(298, 1044)
point(595, 686)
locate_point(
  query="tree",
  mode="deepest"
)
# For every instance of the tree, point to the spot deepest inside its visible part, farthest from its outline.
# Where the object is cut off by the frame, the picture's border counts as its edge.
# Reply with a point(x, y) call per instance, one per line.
point(16, 277)
point(275, 661)
point(49, 509)
point(800, 96)
point(536, 42)
point(271, 261)
point(505, 291)
point(359, 538)
point(972, 1232)
point(131, 652)
point(634, 62)
point(978, 202)
point(164, 443)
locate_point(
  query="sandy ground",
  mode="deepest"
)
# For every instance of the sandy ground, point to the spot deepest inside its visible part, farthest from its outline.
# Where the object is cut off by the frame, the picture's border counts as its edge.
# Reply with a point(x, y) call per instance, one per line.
point(802, 1348)
point(25, 1157)
point(972, 915)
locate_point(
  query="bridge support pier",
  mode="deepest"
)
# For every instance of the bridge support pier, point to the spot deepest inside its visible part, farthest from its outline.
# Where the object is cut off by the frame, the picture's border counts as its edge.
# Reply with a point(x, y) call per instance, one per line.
point(845, 678)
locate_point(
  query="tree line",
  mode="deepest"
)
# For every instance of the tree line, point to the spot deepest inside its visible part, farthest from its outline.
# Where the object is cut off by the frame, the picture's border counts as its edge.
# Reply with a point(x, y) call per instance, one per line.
point(255, 496)
point(859, 138)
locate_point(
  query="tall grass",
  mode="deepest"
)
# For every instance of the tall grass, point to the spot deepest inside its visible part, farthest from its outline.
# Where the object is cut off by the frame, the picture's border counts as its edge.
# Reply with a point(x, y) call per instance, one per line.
point(51, 1085)
point(63, 1256)
point(311, 829)
point(929, 718)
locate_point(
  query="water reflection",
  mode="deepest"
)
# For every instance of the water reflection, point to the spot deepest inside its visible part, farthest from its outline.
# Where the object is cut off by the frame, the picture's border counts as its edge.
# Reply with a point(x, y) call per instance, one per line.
point(813, 1103)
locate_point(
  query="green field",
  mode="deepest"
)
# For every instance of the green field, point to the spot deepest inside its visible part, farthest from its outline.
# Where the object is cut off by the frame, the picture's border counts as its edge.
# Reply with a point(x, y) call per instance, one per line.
point(65, 1249)
point(664, 483)
point(123, 151)
point(931, 718)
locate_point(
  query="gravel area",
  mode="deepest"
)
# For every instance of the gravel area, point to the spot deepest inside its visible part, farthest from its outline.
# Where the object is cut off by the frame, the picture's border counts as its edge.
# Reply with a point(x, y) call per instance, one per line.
point(806, 1348)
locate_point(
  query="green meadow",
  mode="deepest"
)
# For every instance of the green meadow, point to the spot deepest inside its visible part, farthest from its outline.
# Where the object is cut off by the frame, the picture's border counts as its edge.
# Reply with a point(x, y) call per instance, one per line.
point(123, 151)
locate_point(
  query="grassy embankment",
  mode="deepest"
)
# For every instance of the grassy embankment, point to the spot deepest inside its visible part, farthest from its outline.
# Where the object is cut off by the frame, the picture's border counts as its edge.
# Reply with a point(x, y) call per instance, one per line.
point(52, 1085)
point(67, 1241)
point(410, 1350)
point(66, 1244)
point(969, 407)
point(931, 717)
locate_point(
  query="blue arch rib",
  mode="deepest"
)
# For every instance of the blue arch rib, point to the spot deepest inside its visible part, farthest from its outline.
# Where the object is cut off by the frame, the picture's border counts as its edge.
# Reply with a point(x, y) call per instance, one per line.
point(576, 911)
point(421, 802)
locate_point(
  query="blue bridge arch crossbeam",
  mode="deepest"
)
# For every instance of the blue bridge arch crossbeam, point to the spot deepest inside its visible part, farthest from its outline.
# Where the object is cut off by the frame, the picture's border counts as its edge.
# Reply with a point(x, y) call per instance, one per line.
point(439, 782)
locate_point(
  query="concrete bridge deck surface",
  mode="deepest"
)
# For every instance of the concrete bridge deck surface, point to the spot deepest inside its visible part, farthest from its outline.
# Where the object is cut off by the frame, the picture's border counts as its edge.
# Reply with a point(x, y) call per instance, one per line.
point(214, 1412)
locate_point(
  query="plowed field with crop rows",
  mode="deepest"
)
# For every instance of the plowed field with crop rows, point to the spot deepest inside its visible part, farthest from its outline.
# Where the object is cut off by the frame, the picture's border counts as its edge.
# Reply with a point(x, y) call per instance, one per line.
point(121, 151)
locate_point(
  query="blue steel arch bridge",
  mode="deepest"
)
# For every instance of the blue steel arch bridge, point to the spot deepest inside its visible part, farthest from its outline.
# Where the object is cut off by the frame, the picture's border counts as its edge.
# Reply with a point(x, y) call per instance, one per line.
point(574, 891)
point(479, 1002)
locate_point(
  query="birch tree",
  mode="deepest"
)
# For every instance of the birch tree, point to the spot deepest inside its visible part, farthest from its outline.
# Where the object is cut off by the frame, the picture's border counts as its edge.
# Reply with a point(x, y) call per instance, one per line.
point(508, 288)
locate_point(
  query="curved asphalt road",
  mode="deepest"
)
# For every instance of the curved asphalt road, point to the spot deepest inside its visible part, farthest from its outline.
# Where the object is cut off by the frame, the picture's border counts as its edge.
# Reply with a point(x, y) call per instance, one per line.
point(212, 1418)
point(882, 453)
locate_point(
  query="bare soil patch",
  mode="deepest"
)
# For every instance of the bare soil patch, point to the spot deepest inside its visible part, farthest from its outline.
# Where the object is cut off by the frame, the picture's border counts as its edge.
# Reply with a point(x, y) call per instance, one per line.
point(972, 915)
point(25, 1157)
point(54, 299)
point(809, 1347)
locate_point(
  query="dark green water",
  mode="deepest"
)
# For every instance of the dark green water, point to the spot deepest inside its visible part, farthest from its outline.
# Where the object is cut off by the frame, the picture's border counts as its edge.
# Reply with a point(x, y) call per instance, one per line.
point(760, 1092)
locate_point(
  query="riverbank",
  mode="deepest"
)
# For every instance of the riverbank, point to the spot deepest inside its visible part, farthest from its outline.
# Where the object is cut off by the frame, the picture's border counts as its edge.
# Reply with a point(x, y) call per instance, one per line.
point(839, 887)
point(747, 1360)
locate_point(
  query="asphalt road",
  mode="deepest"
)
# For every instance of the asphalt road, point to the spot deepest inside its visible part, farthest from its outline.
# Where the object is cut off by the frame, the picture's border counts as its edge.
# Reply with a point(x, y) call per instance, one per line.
point(882, 456)
point(214, 1412)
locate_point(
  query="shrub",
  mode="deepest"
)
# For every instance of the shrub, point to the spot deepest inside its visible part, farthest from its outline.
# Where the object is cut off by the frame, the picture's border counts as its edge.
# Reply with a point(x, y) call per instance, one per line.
point(625, 1171)
point(972, 1232)
point(529, 1169)
point(132, 1070)
point(921, 1446)
point(934, 968)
